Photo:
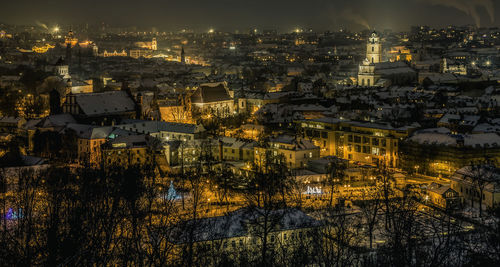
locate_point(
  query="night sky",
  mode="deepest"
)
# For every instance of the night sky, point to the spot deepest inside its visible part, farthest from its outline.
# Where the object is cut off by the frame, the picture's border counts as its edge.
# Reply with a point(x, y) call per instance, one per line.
point(229, 15)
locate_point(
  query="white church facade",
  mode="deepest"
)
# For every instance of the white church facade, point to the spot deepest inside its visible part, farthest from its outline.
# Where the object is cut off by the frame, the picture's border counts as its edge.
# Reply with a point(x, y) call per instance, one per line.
point(374, 72)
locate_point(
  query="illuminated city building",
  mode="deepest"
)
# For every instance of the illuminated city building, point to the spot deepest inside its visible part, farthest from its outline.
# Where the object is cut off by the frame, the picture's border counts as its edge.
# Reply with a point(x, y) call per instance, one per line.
point(133, 150)
point(42, 49)
point(115, 53)
point(439, 152)
point(233, 149)
point(104, 108)
point(467, 179)
point(252, 102)
point(187, 153)
point(373, 72)
point(70, 39)
point(81, 87)
point(368, 143)
point(177, 110)
point(455, 68)
point(400, 53)
point(442, 196)
point(242, 228)
point(213, 99)
point(165, 131)
point(140, 53)
point(296, 152)
point(89, 141)
point(366, 74)
point(374, 49)
point(153, 45)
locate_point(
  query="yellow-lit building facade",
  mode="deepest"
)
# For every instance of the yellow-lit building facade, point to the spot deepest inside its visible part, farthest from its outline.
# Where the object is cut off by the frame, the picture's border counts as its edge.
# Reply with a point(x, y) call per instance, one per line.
point(400, 53)
point(89, 150)
point(237, 150)
point(296, 153)
point(367, 143)
point(462, 181)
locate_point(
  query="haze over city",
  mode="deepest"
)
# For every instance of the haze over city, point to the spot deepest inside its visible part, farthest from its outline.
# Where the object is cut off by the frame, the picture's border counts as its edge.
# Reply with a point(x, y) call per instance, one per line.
point(230, 15)
point(250, 133)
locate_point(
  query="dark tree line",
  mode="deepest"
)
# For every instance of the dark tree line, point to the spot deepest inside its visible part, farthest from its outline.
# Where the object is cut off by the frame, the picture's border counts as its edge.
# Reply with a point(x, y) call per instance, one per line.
point(125, 216)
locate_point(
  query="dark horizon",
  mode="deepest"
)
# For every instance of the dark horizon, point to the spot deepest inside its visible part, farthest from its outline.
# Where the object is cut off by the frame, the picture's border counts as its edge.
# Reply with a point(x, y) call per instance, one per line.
point(284, 16)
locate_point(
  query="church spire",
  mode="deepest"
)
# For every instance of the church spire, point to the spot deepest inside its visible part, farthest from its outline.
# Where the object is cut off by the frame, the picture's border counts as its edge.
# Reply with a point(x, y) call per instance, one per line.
point(183, 56)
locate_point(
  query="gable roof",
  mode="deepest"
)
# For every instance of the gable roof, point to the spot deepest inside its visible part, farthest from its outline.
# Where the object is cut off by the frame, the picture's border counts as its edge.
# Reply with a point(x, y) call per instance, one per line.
point(111, 102)
point(211, 92)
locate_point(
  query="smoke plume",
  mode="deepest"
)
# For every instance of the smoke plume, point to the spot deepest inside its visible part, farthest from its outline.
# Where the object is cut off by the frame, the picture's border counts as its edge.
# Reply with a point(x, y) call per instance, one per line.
point(469, 7)
point(43, 25)
point(349, 15)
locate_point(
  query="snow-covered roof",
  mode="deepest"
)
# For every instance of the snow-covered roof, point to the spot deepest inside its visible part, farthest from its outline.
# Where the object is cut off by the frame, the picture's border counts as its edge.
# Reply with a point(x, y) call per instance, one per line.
point(298, 144)
point(110, 102)
point(238, 223)
point(142, 126)
point(447, 139)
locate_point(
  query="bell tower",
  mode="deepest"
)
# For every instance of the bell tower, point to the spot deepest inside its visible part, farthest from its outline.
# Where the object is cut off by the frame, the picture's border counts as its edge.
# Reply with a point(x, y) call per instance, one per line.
point(154, 44)
point(374, 49)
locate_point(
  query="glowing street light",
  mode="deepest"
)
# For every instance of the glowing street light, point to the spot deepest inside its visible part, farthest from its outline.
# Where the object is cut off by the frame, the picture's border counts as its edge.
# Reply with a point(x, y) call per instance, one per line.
point(56, 29)
point(211, 31)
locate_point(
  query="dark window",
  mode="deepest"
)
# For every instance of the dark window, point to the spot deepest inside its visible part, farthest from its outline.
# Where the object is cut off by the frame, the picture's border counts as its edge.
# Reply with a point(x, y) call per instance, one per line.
point(357, 139)
point(375, 141)
point(324, 135)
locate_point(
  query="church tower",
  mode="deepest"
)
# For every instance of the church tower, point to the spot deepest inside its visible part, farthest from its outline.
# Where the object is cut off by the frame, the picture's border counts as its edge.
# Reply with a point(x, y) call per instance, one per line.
point(183, 56)
point(374, 49)
point(154, 45)
point(443, 65)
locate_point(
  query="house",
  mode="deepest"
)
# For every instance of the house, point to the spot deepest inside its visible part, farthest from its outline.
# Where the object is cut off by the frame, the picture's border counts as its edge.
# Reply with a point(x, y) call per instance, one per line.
point(233, 149)
point(213, 99)
point(106, 108)
point(89, 140)
point(443, 196)
point(296, 152)
point(131, 150)
point(437, 151)
point(11, 125)
point(243, 227)
point(469, 181)
point(368, 143)
point(165, 131)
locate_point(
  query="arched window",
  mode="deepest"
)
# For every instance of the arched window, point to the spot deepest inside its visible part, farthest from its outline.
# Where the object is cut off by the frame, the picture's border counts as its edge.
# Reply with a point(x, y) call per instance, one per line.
point(368, 82)
point(373, 60)
point(373, 48)
point(363, 82)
